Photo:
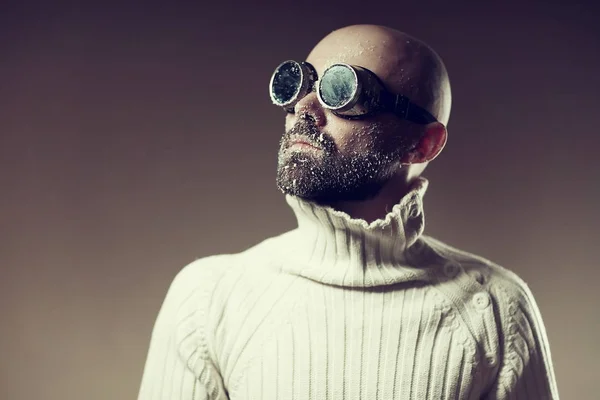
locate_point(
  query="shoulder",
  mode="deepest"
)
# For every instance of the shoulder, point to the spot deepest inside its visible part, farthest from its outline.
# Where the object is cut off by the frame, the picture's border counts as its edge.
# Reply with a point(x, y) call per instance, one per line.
point(488, 273)
point(201, 270)
point(489, 285)
point(209, 275)
point(189, 295)
point(198, 278)
point(207, 286)
point(507, 323)
point(204, 271)
point(494, 301)
point(195, 299)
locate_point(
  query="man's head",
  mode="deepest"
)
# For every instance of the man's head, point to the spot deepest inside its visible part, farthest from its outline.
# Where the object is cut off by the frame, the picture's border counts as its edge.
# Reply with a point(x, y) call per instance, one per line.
point(353, 159)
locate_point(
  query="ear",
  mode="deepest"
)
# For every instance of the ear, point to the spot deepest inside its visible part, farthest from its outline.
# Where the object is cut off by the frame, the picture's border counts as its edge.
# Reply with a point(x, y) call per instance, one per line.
point(429, 146)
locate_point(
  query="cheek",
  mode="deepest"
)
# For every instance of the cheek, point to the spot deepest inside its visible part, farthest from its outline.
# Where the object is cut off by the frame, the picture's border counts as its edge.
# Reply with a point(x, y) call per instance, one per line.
point(361, 136)
point(349, 135)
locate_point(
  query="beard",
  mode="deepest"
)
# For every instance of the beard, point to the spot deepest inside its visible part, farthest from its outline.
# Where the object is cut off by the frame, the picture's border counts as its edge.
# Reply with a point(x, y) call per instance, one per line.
point(325, 175)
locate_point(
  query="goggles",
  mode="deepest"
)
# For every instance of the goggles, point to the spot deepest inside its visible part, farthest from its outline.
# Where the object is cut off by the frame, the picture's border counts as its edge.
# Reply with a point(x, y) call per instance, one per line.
point(349, 91)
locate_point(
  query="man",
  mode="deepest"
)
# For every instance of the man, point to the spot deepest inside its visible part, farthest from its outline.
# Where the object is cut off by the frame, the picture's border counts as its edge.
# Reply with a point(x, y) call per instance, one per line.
point(355, 303)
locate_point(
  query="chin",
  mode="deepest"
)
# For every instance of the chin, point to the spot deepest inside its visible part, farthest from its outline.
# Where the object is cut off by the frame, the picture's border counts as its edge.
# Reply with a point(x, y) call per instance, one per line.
point(331, 179)
point(326, 193)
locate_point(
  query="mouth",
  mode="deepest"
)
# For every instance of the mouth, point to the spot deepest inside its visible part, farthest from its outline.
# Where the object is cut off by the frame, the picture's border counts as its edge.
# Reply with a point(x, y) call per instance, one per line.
point(303, 143)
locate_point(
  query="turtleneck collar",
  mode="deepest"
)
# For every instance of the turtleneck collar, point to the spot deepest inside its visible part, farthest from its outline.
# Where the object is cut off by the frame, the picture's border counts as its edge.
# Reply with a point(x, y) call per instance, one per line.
point(331, 247)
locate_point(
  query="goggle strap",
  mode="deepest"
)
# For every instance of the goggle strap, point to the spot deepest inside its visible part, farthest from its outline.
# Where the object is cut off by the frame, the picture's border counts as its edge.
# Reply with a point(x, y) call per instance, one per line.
point(419, 115)
point(408, 110)
point(401, 106)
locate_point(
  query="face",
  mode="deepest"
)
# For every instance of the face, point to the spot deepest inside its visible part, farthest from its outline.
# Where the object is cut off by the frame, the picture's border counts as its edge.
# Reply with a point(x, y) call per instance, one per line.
point(326, 158)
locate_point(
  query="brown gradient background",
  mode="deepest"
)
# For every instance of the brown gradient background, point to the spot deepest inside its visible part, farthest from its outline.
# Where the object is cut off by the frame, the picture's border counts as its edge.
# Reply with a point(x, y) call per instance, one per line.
point(137, 138)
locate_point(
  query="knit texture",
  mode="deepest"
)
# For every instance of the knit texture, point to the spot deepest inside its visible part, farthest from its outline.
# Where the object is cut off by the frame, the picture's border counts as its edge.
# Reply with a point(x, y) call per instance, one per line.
point(342, 309)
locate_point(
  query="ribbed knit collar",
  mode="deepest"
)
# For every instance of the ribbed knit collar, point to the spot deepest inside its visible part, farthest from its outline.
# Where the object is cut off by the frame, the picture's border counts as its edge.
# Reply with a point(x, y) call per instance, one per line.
point(331, 247)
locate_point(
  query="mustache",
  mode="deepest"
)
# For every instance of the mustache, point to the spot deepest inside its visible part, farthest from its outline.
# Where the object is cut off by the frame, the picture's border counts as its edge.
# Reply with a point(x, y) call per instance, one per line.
point(309, 131)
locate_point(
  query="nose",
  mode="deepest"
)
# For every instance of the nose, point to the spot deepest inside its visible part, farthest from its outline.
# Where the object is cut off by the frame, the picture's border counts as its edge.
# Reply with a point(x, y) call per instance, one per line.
point(309, 106)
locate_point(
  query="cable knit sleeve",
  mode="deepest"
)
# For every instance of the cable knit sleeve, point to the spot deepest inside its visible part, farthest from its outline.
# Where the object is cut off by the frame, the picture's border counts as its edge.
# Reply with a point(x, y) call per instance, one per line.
point(526, 370)
point(179, 365)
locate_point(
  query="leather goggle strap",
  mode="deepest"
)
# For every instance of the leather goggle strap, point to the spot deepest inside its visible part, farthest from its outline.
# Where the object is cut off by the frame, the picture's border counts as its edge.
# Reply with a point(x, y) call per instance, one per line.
point(404, 108)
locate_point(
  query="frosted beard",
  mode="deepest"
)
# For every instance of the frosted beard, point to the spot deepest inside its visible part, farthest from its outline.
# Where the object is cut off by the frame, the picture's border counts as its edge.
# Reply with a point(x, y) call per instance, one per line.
point(325, 175)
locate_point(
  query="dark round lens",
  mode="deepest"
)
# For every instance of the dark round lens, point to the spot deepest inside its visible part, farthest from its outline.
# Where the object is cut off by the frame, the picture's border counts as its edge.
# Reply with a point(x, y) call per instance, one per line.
point(337, 86)
point(286, 82)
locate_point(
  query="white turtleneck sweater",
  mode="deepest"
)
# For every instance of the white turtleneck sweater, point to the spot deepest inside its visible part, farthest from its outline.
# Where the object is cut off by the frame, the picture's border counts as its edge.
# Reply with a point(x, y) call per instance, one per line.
point(341, 309)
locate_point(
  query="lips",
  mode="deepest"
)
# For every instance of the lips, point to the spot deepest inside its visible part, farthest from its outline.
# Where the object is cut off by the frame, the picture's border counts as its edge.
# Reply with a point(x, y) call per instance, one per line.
point(304, 142)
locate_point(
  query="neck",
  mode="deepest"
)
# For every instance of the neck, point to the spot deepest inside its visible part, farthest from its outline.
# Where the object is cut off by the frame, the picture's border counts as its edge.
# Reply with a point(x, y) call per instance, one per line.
point(333, 247)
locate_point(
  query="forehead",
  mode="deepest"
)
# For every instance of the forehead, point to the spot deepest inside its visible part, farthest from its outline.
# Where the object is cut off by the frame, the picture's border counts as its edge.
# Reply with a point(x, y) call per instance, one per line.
point(382, 55)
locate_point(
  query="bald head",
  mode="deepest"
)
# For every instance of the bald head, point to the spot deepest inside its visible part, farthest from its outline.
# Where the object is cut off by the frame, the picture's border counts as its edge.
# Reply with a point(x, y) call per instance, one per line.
point(363, 165)
point(406, 65)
